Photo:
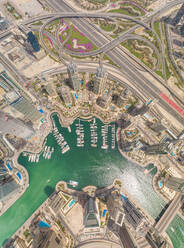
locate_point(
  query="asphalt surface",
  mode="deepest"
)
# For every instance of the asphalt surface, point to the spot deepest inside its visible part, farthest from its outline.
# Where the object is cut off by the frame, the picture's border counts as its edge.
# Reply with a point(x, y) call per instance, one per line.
point(135, 76)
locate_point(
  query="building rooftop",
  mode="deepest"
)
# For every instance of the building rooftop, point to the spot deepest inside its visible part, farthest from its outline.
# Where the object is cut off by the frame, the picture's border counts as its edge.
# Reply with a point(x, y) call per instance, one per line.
point(100, 72)
point(12, 96)
point(91, 214)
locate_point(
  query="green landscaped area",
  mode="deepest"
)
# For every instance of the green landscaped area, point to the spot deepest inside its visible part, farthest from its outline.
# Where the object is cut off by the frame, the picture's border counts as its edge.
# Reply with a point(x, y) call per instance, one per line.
point(128, 9)
point(52, 27)
point(141, 53)
point(38, 23)
point(108, 27)
point(176, 232)
point(82, 40)
point(167, 70)
point(157, 28)
point(47, 42)
point(63, 35)
point(97, 1)
point(160, 74)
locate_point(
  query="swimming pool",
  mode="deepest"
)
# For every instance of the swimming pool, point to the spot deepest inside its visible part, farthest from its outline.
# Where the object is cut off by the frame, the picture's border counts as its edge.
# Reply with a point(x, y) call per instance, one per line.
point(160, 184)
point(71, 203)
point(19, 175)
point(127, 106)
point(104, 212)
point(9, 167)
point(44, 224)
point(124, 197)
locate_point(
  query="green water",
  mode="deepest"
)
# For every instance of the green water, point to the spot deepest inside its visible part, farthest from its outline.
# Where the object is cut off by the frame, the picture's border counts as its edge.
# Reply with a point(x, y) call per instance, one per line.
point(86, 165)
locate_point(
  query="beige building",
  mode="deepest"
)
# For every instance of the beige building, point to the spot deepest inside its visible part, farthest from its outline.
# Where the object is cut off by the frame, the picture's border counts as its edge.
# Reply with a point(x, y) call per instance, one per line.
point(99, 80)
point(2, 92)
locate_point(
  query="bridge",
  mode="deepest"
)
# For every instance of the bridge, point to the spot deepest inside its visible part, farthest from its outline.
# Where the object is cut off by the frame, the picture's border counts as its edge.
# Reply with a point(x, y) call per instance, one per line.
point(169, 214)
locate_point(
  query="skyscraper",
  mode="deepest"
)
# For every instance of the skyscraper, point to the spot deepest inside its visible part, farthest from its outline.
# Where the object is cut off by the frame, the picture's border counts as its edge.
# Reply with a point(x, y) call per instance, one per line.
point(33, 41)
point(182, 30)
point(116, 212)
point(99, 80)
point(161, 148)
point(174, 183)
point(178, 16)
point(66, 95)
point(155, 126)
point(91, 215)
point(104, 100)
point(73, 76)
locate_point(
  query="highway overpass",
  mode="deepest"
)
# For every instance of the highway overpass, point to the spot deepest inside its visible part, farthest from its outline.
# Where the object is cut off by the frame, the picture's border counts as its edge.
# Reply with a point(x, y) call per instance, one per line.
point(169, 214)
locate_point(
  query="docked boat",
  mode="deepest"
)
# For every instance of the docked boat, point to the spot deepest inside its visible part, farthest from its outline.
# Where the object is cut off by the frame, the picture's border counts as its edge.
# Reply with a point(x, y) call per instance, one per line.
point(73, 183)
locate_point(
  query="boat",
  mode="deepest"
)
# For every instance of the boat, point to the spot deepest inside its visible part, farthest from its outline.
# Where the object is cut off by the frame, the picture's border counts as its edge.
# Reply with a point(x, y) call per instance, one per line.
point(73, 183)
point(44, 154)
point(94, 145)
point(69, 129)
point(104, 146)
point(37, 158)
point(65, 149)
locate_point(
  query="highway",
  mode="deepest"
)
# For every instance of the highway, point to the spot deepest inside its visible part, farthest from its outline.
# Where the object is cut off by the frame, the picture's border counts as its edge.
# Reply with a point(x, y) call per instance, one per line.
point(134, 75)
point(146, 19)
point(103, 49)
point(169, 214)
point(71, 14)
point(117, 56)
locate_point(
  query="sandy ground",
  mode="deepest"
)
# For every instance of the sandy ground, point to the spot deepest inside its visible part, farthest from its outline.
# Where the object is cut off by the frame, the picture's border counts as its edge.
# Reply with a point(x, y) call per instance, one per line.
point(42, 65)
point(32, 7)
point(75, 218)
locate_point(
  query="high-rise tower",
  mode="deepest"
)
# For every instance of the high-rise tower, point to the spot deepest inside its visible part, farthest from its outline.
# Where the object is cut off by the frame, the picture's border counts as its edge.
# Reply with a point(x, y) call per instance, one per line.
point(175, 183)
point(73, 76)
point(99, 80)
point(91, 215)
point(178, 16)
point(66, 95)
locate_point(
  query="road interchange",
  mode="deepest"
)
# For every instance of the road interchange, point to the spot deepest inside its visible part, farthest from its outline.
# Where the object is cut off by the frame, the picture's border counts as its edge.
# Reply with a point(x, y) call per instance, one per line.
point(117, 55)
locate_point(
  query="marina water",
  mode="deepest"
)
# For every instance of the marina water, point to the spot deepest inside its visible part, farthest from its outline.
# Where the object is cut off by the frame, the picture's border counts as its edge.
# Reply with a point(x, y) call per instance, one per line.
point(88, 165)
